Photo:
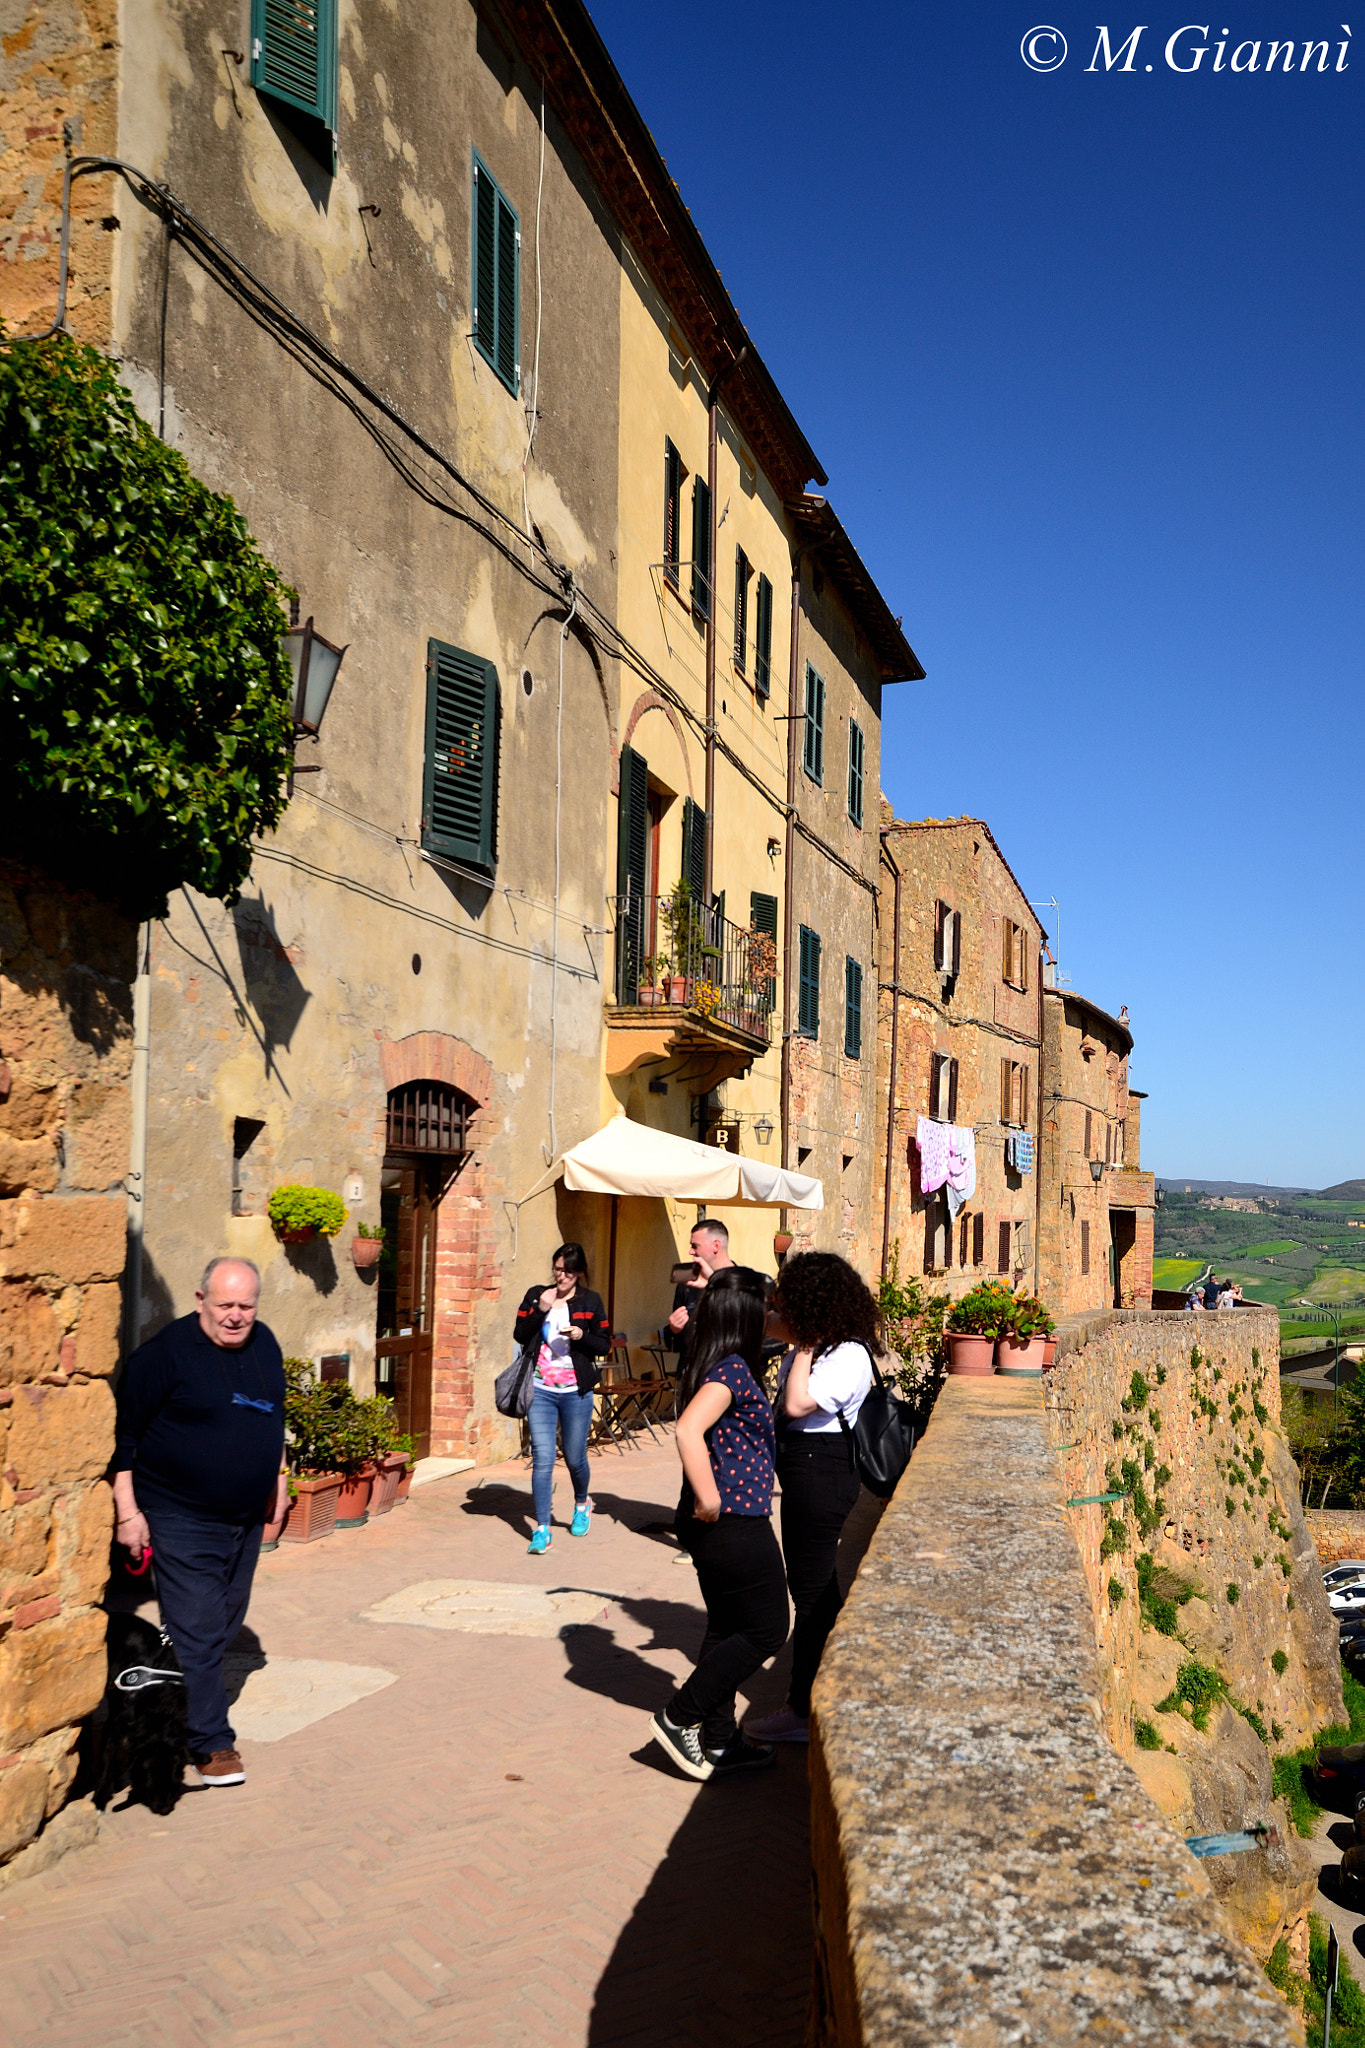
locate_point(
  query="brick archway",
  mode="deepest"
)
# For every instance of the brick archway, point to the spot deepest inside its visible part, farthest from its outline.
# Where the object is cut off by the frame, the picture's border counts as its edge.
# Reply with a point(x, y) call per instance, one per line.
point(467, 1269)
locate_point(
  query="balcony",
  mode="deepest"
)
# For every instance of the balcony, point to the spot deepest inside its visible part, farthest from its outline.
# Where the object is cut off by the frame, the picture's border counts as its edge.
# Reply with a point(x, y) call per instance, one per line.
point(690, 987)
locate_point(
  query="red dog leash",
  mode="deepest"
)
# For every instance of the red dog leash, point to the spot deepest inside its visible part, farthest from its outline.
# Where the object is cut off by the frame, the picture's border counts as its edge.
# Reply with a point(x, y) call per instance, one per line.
point(136, 1570)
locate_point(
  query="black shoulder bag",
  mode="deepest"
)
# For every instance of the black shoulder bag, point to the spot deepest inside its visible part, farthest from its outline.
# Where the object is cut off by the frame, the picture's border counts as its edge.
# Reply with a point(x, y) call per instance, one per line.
point(881, 1440)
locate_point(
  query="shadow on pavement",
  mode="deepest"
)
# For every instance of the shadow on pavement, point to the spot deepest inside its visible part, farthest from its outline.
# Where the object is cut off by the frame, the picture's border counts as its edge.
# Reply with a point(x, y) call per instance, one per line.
point(720, 1946)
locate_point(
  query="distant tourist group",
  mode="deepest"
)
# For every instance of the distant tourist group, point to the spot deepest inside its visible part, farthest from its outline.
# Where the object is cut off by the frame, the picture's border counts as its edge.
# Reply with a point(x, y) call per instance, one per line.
point(1209, 1293)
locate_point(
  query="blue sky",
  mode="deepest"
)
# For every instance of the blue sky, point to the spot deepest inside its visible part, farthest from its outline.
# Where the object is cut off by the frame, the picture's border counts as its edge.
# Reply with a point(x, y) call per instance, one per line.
point(1081, 354)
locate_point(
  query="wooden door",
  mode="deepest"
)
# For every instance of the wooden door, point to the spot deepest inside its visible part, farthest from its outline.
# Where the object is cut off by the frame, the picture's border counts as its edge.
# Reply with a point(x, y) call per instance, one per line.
point(409, 1198)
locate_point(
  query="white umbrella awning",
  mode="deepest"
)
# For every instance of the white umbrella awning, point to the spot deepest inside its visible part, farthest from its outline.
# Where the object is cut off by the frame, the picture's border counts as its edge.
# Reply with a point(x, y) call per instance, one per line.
point(626, 1158)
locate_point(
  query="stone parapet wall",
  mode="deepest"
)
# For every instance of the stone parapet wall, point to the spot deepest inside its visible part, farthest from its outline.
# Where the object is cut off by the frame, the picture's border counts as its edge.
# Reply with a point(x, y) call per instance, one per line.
point(66, 962)
point(1337, 1533)
point(988, 1868)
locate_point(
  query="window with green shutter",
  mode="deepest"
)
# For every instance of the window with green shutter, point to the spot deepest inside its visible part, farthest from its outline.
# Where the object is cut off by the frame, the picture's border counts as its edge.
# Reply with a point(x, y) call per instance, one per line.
point(815, 725)
point(294, 59)
point(673, 483)
point(763, 637)
point(743, 571)
point(460, 786)
point(701, 548)
point(853, 1010)
point(497, 277)
point(694, 849)
point(632, 874)
point(808, 988)
point(855, 772)
point(763, 918)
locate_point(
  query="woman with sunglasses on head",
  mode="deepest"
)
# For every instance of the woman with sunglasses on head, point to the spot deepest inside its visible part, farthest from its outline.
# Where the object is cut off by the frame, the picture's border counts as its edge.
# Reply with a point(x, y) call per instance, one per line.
point(568, 1323)
point(834, 1324)
point(725, 1441)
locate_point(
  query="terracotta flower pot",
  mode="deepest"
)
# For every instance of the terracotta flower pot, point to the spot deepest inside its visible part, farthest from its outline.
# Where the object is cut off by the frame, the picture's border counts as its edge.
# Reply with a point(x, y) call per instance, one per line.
point(313, 1510)
point(650, 998)
point(404, 1483)
point(971, 1354)
point(366, 1252)
point(385, 1490)
point(305, 1234)
point(782, 1243)
point(679, 991)
point(353, 1502)
point(1049, 1351)
point(1026, 1357)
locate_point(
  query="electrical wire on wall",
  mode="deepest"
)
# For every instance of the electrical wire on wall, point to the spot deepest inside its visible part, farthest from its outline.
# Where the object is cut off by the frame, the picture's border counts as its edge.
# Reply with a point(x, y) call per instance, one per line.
point(551, 1151)
point(533, 409)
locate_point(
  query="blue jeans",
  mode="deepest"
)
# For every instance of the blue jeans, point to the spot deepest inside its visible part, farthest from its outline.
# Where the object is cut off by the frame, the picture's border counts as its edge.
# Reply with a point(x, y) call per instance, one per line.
point(566, 1412)
point(203, 1580)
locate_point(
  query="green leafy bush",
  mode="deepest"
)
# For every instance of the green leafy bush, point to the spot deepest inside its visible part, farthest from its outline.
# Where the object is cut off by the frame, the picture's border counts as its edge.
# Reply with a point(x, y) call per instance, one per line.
point(1146, 1736)
point(1199, 1686)
point(1279, 1663)
point(1029, 1318)
point(373, 1232)
point(983, 1311)
point(294, 1207)
point(1117, 1592)
point(327, 1429)
point(1234, 1592)
point(912, 1327)
point(145, 713)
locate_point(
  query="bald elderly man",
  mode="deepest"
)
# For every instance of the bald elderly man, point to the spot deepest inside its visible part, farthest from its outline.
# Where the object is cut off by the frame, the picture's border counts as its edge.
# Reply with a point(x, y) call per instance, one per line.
point(196, 1474)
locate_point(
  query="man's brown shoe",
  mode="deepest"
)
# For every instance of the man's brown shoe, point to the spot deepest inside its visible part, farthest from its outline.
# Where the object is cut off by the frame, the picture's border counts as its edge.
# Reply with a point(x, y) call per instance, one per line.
point(224, 1767)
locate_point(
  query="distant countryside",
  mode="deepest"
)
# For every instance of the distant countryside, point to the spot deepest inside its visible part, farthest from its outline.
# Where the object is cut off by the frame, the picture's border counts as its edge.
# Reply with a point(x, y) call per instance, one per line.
point(1281, 1245)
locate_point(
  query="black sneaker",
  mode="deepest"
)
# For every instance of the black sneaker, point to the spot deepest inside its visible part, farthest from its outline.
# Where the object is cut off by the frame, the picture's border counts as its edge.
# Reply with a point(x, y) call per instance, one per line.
point(739, 1755)
point(684, 1745)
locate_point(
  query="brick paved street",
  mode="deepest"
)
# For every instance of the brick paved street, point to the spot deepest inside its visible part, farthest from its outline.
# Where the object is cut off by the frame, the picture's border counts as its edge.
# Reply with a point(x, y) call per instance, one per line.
point(484, 1852)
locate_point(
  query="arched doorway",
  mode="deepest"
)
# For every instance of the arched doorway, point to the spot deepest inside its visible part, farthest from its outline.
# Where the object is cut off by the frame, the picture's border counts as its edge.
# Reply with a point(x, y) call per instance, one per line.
point(426, 1144)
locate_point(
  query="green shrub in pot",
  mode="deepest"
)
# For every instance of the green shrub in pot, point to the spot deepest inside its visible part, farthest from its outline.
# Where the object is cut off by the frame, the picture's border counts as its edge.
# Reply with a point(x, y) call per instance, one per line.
point(295, 1209)
point(984, 1311)
point(1029, 1318)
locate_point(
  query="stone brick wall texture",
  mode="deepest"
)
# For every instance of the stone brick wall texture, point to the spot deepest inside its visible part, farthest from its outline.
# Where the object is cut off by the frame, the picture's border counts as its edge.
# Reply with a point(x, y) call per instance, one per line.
point(66, 967)
point(1182, 1413)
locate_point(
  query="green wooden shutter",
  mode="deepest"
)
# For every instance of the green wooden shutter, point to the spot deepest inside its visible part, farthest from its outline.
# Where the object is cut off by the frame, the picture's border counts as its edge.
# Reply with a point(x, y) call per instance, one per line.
point(763, 638)
point(694, 849)
point(855, 772)
point(701, 548)
point(632, 874)
point(459, 787)
point(672, 511)
point(763, 918)
point(808, 991)
point(497, 277)
point(815, 726)
point(853, 1010)
point(742, 574)
point(294, 55)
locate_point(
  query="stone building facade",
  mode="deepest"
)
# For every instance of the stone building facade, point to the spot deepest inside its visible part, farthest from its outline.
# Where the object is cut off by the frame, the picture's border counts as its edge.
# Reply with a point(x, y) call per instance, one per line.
point(959, 1042)
point(1097, 1208)
point(66, 967)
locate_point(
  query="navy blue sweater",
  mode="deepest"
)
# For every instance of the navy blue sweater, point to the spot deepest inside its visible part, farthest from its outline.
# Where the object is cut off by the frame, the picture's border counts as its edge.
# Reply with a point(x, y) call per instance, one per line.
point(185, 1440)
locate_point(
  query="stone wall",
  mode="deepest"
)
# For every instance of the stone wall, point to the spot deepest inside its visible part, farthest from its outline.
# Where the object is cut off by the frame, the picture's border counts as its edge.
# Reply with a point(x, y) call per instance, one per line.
point(66, 964)
point(988, 1869)
point(1182, 1413)
point(1337, 1533)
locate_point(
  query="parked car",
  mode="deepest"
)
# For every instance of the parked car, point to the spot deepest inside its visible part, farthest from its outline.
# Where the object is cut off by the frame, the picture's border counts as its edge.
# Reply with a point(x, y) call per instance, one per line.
point(1341, 1767)
point(1348, 1599)
point(1343, 1573)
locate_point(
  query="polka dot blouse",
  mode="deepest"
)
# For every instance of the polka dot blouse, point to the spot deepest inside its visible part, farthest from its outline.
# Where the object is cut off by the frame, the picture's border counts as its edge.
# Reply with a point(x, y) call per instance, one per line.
point(743, 1443)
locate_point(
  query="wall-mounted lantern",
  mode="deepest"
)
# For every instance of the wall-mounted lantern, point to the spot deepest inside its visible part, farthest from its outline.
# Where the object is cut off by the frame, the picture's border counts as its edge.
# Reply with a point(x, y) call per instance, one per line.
point(315, 663)
point(763, 1129)
point(1097, 1171)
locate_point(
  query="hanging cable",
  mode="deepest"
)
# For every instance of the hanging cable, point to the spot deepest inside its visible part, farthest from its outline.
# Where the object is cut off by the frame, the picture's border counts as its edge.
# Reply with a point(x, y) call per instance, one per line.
point(551, 1151)
point(534, 408)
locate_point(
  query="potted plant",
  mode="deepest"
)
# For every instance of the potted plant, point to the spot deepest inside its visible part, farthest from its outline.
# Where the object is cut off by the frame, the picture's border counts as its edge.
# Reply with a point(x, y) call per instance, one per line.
point(974, 1322)
point(1023, 1340)
point(682, 920)
point(367, 1246)
point(655, 969)
point(314, 1483)
point(782, 1243)
point(298, 1214)
point(352, 1453)
point(403, 1447)
point(389, 1463)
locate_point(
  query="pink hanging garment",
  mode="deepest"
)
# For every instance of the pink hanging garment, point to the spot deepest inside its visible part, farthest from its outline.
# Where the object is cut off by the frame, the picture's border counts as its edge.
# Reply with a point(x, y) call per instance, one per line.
point(932, 1140)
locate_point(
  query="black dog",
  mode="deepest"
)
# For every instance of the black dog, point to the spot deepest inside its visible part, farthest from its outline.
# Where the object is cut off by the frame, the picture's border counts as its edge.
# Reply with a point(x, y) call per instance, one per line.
point(144, 1732)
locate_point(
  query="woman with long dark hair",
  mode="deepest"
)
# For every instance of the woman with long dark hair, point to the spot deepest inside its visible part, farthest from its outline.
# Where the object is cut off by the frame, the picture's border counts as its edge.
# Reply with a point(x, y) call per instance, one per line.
point(568, 1323)
point(835, 1325)
point(725, 1441)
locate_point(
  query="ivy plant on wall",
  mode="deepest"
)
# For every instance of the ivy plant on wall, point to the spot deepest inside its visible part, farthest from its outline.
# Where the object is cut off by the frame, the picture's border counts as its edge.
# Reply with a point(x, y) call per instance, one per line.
point(145, 727)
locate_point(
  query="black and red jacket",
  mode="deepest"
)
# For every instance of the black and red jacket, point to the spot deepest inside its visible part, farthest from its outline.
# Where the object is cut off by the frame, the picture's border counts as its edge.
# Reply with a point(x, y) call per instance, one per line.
point(589, 1334)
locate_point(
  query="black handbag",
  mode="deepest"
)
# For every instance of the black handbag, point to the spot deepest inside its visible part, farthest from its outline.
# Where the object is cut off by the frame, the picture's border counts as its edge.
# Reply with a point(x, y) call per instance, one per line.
point(882, 1439)
point(515, 1384)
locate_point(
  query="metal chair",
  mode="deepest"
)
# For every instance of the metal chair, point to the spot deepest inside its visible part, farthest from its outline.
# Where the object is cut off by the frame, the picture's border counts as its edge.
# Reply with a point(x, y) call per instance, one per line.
point(630, 1392)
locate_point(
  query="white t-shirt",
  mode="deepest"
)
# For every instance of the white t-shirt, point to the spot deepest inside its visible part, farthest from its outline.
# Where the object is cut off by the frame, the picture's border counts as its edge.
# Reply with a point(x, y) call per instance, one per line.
point(554, 1366)
point(840, 1380)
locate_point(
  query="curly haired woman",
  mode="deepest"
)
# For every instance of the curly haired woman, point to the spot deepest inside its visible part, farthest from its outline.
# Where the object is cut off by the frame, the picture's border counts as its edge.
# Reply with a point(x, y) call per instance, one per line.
point(834, 1325)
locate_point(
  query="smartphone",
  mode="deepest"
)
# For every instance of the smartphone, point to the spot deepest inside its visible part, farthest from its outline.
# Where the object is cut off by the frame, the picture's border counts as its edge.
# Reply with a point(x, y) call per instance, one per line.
point(685, 1270)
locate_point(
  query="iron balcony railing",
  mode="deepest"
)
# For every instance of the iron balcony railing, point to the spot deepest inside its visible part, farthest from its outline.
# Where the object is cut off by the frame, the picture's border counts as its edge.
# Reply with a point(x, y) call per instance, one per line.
point(673, 952)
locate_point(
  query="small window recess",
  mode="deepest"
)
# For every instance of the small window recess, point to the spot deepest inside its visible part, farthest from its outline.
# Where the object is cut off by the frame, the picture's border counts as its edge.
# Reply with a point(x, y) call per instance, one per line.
point(245, 1131)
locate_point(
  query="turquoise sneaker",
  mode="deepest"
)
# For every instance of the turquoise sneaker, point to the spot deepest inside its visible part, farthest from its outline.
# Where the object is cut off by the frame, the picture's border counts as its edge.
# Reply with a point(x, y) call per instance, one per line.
point(539, 1543)
point(582, 1519)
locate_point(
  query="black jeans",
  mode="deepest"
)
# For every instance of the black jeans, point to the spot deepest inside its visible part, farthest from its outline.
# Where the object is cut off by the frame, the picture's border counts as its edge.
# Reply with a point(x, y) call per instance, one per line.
point(818, 1495)
point(203, 1580)
point(739, 1570)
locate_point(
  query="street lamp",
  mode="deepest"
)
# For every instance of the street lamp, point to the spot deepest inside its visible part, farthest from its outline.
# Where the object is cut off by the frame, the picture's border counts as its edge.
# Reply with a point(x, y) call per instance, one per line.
point(763, 1129)
point(1097, 1171)
point(314, 662)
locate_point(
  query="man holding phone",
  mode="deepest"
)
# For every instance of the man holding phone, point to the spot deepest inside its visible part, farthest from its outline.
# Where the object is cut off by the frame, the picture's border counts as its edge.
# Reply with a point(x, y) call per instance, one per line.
point(710, 1254)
